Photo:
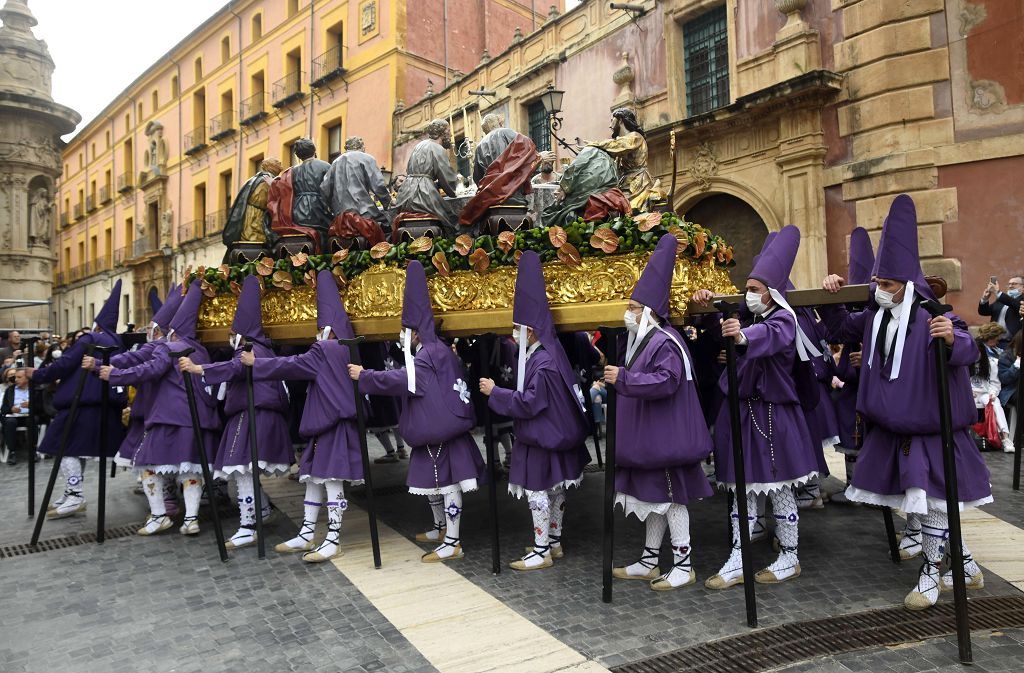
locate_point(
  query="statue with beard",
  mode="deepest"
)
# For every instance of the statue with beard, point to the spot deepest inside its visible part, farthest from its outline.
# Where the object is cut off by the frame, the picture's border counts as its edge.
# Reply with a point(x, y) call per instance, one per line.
point(628, 146)
point(428, 173)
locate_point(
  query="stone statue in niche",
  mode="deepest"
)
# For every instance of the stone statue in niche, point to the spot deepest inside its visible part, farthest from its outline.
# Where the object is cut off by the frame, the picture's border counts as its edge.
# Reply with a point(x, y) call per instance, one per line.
point(368, 17)
point(40, 216)
point(156, 155)
point(165, 228)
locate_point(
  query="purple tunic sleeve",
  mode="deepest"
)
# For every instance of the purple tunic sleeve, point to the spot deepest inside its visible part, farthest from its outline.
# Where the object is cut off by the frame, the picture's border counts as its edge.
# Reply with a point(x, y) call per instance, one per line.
point(770, 337)
point(521, 405)
point(662, 381)
point(392, 382)
point(841, 326)
point(964, 351)
point(304, 367)
point(151, 370)
point(221, 372)
point(130, 358)
point(64, 366)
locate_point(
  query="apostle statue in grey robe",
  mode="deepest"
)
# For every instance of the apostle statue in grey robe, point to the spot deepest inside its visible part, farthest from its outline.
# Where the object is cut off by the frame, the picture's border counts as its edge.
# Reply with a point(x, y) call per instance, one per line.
point(308, 206)
point(428, 173)
point(497, 137)
point(354, 184)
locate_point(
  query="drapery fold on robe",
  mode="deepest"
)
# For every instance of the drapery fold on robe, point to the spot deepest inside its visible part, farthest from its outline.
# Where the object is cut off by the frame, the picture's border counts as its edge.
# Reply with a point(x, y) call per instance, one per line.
point(350, 225)
point(350, 185)
point(507, 176)
point(630, 153)
point(593, 171)
point(427, 171)
point(279, 205)
point(601, 206)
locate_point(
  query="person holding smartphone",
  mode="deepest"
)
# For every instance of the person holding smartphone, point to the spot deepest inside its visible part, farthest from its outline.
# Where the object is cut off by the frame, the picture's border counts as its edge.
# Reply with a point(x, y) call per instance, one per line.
point(1003, 307)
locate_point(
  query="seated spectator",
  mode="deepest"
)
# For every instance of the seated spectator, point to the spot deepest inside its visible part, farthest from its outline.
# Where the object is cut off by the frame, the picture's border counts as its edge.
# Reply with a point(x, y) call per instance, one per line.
point(14, 409)
point(1003, 307)
point(985, 378)
point(1009, 374)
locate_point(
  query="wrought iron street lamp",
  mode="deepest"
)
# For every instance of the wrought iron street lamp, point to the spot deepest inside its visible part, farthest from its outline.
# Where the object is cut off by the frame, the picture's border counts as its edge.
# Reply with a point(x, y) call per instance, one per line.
point(551, 99)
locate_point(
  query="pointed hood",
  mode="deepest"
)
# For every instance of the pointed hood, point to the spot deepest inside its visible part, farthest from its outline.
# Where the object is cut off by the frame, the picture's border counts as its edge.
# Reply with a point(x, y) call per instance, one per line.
point(154, 301)
point(106, 319)
point(416, 311)
point(184, 321)
point(897, 251)
point(163, 317)
point(652, 290)
point(776, 260)
point(862, 257)
point(530, 308)
point(248, 320)
point(330, 312)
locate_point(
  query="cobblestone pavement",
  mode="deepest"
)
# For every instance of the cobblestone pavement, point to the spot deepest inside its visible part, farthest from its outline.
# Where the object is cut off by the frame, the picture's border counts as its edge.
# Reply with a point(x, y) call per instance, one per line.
point(168, 604)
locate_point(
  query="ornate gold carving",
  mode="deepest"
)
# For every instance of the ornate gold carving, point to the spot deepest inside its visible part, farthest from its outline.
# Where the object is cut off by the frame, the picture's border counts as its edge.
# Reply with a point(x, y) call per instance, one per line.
point(377, 292)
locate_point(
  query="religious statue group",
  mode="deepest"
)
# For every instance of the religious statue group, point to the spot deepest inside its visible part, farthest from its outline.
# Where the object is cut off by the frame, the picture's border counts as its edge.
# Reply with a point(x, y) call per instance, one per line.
point(669, 417)
point(316, 207)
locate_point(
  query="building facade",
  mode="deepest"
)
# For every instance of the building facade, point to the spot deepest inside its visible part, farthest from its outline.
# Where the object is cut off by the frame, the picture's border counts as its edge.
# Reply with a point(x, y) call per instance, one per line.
point(145, 186)
point(810, 112)
point(31, 124)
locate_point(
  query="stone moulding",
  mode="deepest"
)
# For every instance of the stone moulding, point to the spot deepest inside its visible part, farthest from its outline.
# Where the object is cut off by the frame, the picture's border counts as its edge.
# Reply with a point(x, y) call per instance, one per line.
point(466, 302)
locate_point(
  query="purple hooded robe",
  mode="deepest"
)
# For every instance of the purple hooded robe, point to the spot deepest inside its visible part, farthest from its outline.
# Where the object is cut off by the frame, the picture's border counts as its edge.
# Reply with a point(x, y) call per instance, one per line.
point(83, 440)
point(851, 427)
point(547, 409)
point(900, 462)
point(660, 437)
point(269, 397)
point(437, 417)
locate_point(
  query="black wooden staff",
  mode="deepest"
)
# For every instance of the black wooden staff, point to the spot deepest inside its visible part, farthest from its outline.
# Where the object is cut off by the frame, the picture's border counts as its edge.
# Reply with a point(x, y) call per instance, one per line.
point(612, 334)
point(371, 510)
point(33, 428)
point(101, 512)
point(1018, 432)
point(485, 346)
point(890, 535)
point(254, 456)
point(731, 311)
point(956, 550)
point(197, 433)
point(65, 435)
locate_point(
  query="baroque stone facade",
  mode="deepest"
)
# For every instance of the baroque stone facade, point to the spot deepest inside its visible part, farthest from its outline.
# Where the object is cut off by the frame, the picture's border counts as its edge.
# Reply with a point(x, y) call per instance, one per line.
point(830, 109)
point(30, 126)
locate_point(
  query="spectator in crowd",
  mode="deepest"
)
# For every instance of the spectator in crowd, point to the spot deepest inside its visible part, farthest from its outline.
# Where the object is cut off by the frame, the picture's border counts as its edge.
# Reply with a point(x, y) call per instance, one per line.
point(12, 346)
point(598, 395)
point(1009, 373)
point(1003, 307)
point(14, 408)
point(546, 174)
point(985, 378)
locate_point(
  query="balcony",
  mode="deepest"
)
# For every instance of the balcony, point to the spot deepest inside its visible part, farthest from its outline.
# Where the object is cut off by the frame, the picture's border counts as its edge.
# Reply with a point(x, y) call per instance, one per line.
point(119, 255)
point(288, 89)
point(327, 66)
point(195, 141)
point(78, 273)
point(190, 231)
point(214, 223)
point(64, 219)
point(105, 197)
point(125, 183)
point(90, 204)
point(252, 109)
point(60, 278)
point(222, 126)
point(78, 211)
point(142, 246)
point(97, 265)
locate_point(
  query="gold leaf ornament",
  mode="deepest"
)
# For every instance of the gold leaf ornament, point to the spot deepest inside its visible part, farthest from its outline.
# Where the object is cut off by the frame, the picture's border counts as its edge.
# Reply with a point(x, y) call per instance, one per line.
point(378, 251)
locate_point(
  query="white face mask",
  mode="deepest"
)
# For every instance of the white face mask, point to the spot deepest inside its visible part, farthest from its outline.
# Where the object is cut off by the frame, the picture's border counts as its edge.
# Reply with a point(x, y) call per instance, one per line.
point(631, 321)
point(56, 353)
point(885, 299)
point(754, 303)
point(515, 333)
point(401, 335)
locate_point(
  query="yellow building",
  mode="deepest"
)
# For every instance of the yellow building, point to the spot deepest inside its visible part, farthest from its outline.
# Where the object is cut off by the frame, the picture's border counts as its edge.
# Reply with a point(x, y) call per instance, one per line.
point(146, 185)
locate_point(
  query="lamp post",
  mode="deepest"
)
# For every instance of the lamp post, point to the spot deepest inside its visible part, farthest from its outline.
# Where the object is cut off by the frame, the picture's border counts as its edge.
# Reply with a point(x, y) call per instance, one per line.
point(551, 99)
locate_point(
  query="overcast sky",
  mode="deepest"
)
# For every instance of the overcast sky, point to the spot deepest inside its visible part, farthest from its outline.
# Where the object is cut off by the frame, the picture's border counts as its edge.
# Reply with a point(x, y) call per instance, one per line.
point(101, 46)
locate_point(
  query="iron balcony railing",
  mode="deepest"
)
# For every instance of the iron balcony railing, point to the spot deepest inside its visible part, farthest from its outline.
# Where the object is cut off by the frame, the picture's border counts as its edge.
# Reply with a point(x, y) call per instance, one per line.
point(119, 255)
point(124, 182)
point(195, 140)
point(64, 219)
point(288, 88)
point(94, 266)
point(90, 204)
point(222, 126)
point(190, 231)
point(105, 194)
point(78, 211)
point(252, 109)
point(78, 272)
point(327, 66)
point(142, 246)
point(60, 278)
point(214, 223)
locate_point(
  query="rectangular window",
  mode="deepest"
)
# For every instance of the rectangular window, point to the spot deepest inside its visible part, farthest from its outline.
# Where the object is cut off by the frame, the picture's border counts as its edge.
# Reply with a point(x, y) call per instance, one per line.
point(333, 142)
point(706, 47)
point(129, 231)
point(293, 7)
point(226, 193)
point(175, 87)
point(463, 165)
point(540, 132)
point(198, 67)
point(225, 49)
point(257, 27)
